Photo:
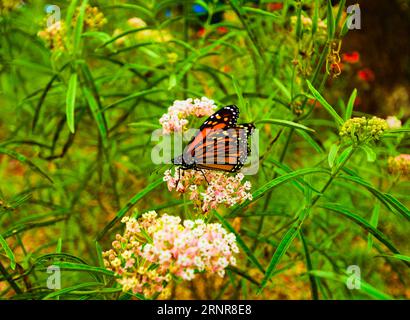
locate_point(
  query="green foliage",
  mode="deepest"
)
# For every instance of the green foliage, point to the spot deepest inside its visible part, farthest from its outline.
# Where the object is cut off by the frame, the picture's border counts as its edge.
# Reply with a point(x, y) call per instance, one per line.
point(75, 147)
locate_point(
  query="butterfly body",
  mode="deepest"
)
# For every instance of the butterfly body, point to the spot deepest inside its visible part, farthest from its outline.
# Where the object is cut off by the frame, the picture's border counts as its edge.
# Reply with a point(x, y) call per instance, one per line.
point(220, 144)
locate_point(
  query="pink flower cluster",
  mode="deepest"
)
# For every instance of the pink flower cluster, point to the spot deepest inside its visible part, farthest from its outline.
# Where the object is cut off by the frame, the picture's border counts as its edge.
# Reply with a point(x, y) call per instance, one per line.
point(153, 250)
point(210, 192)
point(176, 118)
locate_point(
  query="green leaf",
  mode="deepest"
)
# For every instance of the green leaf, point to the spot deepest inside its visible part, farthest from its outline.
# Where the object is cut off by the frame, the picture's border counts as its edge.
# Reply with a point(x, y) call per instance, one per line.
point(350, 104)
point(315, 19)
point(95, 110)
point(342, 157)
point(340, 12)
point(364, 287)
point(9, 252)
point(371, 155)
point(240, 241)
point(72, 288)
point(172, 81)
point(19, 157)
point(282, 88)
point(334, 149)
point(70, 101)
point(83, 267)
point(373, 222)
point(78, 30)
point(330, 21)
point(261, 12)
point(361, 223)
point(281, 249)
point(388, 200)
point(397, 256)
point(286, 123)
point(312, 278)
point(401, 130)
point(325, 104)
point(309, 139)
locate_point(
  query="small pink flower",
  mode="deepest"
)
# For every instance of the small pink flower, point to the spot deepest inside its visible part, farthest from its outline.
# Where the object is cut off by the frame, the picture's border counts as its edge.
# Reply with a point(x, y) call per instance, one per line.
point(221, 189)
point(175, 120)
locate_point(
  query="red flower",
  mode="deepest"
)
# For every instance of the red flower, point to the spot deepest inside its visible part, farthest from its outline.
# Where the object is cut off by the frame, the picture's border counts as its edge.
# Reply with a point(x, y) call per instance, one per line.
point(351, 57)
point(274, 6)
point(366, 75)
point(201, 32)
point(222, 30)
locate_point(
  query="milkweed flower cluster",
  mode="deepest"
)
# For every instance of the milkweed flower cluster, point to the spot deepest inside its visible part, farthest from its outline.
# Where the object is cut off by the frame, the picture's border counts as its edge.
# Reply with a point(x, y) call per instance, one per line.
point(218, 188)
point(155, 249)
point(362, 130)
point(393, 122)
point(54, 36)
point(94, 19)
point(176, 118)
point(400, 165)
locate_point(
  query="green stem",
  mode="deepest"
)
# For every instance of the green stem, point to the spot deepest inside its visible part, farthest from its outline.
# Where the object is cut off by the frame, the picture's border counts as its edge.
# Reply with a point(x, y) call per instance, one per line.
point(332, 177)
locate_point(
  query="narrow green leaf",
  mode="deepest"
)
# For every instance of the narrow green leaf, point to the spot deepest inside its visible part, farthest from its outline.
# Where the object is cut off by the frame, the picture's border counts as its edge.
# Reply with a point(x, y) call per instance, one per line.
point(286, 123)
point(340, 12)
point(315, 19)
point(92, 103)
point(330, 21)
point(364, 287)
point(72, 288)
point(312, 278)
point(361, 223)
point(370, 154)
point(334, 149)
point(350, 104)
point(309, 139)
point(373, 222)
point(19, 157)
point(9, 252)
point(388, 200)
point(78, 30)
point(282, 88)
point(397, 256)
point(281, 249)
point(70, 101)
point(83, 267)
point(325, 104)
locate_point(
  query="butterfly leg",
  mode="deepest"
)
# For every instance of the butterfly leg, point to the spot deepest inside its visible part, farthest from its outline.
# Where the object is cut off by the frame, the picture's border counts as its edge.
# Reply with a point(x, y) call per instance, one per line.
point(204, 176)
point(179, 178)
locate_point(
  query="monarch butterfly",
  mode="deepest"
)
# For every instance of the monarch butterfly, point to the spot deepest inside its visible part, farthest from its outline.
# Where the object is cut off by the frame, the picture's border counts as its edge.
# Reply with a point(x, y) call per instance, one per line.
point(220, 144)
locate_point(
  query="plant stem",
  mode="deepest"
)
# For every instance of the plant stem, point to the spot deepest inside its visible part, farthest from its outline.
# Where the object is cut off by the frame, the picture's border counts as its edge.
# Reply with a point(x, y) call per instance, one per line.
point(9, 279)
point(333, 175)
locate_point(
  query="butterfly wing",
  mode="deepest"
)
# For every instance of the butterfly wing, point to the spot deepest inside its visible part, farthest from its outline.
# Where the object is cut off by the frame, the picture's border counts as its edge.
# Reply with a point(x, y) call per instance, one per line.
point(220, 120)
point(225, 150)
